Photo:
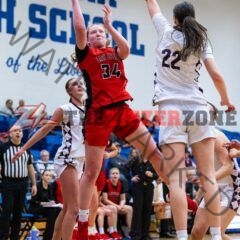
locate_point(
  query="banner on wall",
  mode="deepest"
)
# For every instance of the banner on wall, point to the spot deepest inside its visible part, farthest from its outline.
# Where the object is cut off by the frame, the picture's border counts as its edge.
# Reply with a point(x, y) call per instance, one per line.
point(45, 22)
point(37, 40)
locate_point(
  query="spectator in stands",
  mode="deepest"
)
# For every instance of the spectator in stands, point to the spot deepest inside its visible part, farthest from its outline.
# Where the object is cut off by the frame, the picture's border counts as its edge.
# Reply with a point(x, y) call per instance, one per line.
point(21, 105)
point(14, 183)
point(120, 162)
point(148, 123)
point(188, 158)
point(44, 163)
point(167, 225)
point(43, 204)
point(191, 185)
point(114, 194)
point(158, 192)
point(117, 141)
point(8, 108)
point(162, 210)
point(110, 212)
point(143, 175)
point(145, 120)
point(167, 229)
point(156, 120)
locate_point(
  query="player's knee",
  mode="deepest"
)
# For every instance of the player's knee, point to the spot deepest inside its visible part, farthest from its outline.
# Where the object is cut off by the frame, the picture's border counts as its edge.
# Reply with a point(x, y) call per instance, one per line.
point(196, 232)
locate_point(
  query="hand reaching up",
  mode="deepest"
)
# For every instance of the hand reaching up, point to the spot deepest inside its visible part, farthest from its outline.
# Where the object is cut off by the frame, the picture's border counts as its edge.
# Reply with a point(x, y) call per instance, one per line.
point(106, 18)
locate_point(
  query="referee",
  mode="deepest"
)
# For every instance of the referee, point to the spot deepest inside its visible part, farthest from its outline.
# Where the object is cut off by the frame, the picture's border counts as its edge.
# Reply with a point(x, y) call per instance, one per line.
point(14, 184)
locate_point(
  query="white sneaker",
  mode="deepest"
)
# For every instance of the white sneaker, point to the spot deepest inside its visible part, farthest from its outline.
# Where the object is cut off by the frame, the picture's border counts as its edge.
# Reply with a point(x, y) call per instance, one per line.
point(185, 238)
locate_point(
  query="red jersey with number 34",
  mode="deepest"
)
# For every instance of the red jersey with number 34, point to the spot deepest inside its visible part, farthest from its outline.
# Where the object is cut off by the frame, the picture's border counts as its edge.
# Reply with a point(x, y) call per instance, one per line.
point(104, 76)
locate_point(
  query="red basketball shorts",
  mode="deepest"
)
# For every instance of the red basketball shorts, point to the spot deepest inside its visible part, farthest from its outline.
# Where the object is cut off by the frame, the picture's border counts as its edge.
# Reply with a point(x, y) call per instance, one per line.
point(100, 123)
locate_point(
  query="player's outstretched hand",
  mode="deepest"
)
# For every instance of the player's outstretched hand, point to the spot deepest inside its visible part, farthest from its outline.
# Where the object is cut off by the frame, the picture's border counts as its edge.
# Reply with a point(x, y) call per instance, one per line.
point(233, 144)
point(18, 155)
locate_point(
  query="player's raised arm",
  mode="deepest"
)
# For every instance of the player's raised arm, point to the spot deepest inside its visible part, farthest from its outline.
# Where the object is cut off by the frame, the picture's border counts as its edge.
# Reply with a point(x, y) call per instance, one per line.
point(122, 43)
point(79, 25)
point(41, 133)
point(153, 7)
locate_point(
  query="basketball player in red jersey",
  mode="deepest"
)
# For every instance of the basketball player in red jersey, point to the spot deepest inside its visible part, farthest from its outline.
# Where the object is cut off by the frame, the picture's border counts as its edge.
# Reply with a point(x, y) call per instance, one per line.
point(106, 107)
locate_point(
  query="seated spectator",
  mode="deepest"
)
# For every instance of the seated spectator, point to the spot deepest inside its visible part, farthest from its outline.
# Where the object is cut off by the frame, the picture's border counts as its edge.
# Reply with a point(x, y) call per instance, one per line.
point(21, 104)
point(120, 162)
point(145, 120)
point(117, 141)
point(156, 120)
point(114, 194)
point(158, 192)
point(44, 164)
point(163, 212)
point(191, 184)
point(21, 107)
point(188, 158)
point(8, 108)
point(43, 204)
point(109, 211)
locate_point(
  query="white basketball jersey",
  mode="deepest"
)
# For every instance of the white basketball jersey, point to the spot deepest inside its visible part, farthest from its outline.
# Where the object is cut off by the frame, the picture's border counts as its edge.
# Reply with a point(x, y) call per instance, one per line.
point(174, 78)
point(72, 126)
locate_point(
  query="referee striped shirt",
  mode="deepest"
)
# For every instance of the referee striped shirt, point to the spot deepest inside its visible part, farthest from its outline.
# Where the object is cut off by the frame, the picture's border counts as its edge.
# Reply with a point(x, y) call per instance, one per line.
point(18, 169)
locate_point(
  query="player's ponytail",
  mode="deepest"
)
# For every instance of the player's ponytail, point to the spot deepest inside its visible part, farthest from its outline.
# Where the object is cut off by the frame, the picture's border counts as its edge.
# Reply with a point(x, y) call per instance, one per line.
point(195, 35)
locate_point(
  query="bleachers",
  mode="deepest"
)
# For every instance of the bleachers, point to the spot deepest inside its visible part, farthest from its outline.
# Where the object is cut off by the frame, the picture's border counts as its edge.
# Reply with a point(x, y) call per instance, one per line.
point(53, 140)
point(4, 124)
point(28, 220)
point(51, 143)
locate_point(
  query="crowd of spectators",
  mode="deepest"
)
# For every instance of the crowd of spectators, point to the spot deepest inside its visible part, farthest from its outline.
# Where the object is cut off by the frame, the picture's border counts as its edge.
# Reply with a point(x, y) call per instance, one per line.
point(135, 177)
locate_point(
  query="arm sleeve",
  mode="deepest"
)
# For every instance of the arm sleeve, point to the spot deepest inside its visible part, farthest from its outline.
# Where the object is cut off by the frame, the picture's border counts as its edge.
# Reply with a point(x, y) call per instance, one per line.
point(81, 54)
point(207, 52)
point(160, 24)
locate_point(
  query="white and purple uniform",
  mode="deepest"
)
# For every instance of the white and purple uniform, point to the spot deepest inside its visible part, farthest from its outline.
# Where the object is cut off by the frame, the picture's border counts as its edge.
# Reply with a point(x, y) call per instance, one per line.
point(72, 150)
point(176, 86)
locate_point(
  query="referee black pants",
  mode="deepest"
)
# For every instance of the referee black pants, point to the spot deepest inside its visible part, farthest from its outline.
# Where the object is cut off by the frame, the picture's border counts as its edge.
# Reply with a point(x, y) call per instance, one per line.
point(13, 200)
